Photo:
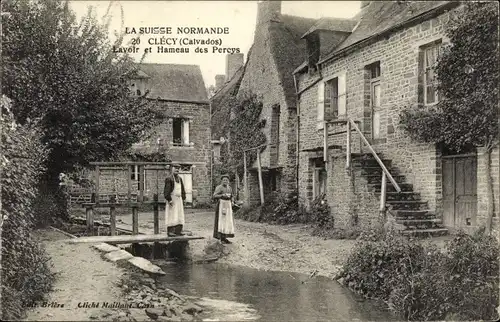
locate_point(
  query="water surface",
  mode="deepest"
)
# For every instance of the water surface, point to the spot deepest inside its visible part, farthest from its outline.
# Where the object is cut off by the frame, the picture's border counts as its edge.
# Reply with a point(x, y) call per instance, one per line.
point(239, 293)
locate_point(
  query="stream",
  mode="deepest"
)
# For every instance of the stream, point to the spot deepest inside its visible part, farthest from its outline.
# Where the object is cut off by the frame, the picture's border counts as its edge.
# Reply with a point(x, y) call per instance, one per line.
point(231, 293)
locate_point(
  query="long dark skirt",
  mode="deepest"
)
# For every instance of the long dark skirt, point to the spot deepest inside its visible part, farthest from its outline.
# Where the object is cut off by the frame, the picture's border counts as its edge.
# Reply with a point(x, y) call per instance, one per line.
point(217, 234)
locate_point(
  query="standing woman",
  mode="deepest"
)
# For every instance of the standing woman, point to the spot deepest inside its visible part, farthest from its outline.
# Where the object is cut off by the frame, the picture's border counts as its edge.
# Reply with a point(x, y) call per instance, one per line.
point(174, 209)
point(224, 224)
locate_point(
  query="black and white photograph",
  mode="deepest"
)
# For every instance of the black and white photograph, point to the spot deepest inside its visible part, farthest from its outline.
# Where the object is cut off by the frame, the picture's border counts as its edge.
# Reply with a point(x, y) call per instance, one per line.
point(249, 160)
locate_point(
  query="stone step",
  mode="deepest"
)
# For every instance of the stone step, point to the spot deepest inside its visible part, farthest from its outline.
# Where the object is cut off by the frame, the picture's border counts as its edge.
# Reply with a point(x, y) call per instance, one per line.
point(406, 204)
point(409, 214)
point(404, 195)
point(418, 221)
point(376, 170)
point(371, 162)
point(378, 179)
point(405, 187)
point(433, 232)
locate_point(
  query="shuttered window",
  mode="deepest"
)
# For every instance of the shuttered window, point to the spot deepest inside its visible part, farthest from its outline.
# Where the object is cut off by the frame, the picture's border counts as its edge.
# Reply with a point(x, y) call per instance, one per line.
point(332, 101)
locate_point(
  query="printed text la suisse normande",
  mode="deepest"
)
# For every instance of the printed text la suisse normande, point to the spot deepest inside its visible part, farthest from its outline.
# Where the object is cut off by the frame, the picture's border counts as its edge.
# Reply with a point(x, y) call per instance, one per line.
point(161, 42)
point(180, 30)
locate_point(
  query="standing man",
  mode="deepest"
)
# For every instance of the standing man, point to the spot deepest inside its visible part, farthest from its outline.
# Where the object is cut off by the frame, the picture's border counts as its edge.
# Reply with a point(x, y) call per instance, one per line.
point(174, 208)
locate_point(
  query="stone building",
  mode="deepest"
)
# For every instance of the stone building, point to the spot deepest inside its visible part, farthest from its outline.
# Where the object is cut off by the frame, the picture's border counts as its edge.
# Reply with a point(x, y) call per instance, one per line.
point(183, 138)
point(368, 74)
point(276, 51)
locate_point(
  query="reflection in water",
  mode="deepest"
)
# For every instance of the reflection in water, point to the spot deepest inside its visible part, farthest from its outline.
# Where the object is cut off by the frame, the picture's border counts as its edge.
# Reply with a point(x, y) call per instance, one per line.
point(278, 296)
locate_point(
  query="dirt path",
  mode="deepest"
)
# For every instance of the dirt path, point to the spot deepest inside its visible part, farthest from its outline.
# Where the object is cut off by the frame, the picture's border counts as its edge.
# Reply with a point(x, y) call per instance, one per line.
point(83, 276)
point(269, 247)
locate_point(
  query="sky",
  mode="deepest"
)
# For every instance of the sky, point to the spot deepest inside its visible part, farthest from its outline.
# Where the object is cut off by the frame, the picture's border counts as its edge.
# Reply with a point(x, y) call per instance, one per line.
point(238, 16)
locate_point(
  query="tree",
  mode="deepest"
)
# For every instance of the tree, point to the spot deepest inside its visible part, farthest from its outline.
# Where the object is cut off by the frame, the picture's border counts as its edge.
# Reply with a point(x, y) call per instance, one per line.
point(467, 73)
point(245, 131)
point(65, 77)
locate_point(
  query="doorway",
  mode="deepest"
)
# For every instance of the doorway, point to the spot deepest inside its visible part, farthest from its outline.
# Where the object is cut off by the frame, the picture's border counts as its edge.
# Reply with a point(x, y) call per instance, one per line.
point(459, 190)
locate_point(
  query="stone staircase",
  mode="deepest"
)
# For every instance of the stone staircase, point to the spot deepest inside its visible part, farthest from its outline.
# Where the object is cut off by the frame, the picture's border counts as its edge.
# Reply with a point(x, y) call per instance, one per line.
point(406, 206)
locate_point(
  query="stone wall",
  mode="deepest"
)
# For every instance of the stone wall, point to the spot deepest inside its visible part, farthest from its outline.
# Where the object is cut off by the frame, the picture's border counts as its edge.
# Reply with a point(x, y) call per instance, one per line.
point(198, 154)
point(398, 55)
point(261, 78)
point(482, 184)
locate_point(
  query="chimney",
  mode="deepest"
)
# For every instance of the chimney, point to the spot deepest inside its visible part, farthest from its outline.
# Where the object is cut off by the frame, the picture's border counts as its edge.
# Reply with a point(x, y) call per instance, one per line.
point(233, 63)
point(267, 10)
point(364, 4)
point(219, 81)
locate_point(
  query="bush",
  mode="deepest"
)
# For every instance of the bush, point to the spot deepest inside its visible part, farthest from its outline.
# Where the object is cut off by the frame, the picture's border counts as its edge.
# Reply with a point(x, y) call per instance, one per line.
point(278, 209)
point(421, 282)
point(26, 275)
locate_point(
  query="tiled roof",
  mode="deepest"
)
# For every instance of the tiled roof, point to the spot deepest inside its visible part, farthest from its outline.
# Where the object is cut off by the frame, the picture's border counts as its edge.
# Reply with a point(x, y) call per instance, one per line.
point(381, 16)
point(289, 50)
point(174, 82)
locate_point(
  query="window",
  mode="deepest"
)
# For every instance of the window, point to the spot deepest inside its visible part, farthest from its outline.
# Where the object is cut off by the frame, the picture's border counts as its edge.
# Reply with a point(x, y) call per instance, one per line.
point(429, 56)
point(319, 178)
point(331, 99)
point(375, 92)
point(180, 132)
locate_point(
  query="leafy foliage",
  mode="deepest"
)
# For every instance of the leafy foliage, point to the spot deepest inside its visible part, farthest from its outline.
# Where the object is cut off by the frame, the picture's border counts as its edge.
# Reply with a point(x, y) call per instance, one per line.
point(245, 131)
point(421, 282)
point(26, 275)
point(284, 209)
point(467, 72)
point(65, 76)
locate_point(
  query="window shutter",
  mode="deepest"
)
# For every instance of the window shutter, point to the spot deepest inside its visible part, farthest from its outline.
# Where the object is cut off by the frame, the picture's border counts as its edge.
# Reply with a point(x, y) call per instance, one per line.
point(342, 94)
point(186, 132)
point(315, 183)
point(321, 104)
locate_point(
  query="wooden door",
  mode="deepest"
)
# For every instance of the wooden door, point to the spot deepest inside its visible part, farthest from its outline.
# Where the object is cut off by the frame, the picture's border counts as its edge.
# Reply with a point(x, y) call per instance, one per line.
point(459, 191)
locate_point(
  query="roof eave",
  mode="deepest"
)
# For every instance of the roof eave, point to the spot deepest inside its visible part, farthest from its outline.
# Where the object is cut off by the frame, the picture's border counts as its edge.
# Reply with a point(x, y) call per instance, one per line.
point(179, 100)
point(445, 6)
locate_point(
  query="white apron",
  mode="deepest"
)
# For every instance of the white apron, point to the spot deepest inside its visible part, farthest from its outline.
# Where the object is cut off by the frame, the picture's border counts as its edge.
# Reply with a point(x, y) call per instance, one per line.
point(174, 214)
point(226, 224)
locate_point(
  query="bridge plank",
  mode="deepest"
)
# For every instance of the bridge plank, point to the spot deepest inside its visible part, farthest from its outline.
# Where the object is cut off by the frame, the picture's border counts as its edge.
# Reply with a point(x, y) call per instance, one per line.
point(126, 239)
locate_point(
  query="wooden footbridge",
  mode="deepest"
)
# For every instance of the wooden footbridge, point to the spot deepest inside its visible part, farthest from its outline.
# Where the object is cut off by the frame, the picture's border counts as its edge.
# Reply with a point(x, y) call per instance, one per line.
point(132, 201)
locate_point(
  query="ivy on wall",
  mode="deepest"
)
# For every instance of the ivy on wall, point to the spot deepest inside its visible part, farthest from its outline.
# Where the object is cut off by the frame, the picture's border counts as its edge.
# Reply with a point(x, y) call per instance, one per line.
point(245, 132)
point(467, 73)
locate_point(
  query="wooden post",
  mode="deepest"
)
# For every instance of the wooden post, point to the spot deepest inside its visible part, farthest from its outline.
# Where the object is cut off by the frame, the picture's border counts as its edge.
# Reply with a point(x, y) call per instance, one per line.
point(89, 214)
point(135, 220)
point(129, 183)
point(97, 170)
point(141, 183)
point(112, 216)
point(261, 186)
point(156, 217)
point(325, 142)
point(245, 178)
point(383, 194)
point(348, 148)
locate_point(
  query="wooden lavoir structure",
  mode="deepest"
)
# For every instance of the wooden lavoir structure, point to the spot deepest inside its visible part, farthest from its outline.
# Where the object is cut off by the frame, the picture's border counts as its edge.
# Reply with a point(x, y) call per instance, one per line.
point(131, 201)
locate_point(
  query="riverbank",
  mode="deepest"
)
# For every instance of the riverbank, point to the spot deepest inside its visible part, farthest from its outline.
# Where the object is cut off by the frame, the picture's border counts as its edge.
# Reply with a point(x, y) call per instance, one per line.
point(82, 276)
point(88, 287)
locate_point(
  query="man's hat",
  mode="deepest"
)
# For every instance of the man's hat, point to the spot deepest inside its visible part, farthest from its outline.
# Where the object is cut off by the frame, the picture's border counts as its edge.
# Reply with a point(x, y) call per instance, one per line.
point(224, 175)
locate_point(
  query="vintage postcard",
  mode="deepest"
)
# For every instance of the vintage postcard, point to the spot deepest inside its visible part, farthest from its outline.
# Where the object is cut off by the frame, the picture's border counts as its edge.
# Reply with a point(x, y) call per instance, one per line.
point(249, 160)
